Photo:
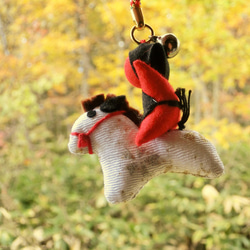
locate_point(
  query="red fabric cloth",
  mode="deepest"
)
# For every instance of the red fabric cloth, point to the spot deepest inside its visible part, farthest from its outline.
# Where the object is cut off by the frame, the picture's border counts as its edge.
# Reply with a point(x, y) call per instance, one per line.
point(164, 117)
point(130, 74)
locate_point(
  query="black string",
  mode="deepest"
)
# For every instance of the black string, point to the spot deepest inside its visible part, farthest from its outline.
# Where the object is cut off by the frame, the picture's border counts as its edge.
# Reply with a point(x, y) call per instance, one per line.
point(185, 106)
point(150, 104)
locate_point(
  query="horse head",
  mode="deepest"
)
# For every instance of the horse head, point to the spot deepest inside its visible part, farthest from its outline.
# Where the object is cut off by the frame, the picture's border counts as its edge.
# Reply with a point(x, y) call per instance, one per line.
point(97, 110)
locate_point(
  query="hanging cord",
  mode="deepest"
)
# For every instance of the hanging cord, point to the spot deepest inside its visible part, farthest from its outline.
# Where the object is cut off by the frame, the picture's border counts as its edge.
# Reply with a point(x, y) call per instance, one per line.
point(184, 105)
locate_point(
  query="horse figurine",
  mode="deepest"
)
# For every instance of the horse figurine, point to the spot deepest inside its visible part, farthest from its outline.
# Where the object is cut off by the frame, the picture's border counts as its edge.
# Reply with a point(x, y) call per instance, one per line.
point(108, 128)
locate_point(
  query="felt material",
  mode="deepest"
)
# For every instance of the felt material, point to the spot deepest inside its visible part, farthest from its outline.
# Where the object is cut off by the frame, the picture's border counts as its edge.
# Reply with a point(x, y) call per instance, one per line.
point(116, 103)
point(112, 103)
point(164, 117)
point(131, 75)
point(151, 54)
point(150, 103)
point(153, 83)
point(127, 168)
point(83, 141)
point(93, 102)
point(147, 68)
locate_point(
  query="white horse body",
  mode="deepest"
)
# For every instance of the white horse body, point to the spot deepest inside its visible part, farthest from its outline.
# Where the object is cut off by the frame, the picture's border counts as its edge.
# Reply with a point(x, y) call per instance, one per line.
point(127, 167)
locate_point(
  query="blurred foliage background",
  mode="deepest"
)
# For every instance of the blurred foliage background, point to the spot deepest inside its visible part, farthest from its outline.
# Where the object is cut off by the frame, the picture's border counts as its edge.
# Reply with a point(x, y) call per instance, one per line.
point(54, 53)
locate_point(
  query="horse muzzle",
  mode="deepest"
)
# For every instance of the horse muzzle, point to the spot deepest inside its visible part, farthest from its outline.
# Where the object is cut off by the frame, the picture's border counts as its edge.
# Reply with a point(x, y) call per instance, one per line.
point(78, 142)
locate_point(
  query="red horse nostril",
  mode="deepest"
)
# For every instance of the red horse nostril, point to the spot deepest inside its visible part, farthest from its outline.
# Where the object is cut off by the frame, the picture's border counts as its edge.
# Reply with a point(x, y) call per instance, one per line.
point(83, 140)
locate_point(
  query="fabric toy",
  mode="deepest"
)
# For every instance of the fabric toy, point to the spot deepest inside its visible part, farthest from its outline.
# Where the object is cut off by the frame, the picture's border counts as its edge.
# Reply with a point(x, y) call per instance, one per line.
point(134, 148)
point(109, 127)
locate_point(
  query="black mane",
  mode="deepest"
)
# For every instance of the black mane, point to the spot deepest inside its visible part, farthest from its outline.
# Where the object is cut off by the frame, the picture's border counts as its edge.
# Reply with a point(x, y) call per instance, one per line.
point(111, 104)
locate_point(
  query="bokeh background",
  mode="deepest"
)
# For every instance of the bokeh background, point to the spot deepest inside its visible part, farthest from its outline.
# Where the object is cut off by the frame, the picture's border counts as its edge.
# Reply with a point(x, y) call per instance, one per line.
point(53, 54)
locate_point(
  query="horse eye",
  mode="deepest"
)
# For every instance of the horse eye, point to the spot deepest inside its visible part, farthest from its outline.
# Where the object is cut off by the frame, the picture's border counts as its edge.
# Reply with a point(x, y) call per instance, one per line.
point(91, 113)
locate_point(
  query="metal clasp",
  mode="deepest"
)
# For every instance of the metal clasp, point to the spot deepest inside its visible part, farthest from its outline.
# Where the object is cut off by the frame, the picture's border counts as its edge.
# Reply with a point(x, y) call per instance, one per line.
point(136, 13)
point(138, 19)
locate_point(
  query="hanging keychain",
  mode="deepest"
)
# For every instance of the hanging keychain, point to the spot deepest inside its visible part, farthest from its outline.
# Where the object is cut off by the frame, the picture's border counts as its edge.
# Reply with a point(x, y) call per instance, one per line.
point(147, 68)
point(133, 148)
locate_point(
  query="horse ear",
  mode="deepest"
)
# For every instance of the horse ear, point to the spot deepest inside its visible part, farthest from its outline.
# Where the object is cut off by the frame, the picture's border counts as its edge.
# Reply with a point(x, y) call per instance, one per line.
point(114, 104)
point(153, 55)
point(93, 102)
point(158, 60)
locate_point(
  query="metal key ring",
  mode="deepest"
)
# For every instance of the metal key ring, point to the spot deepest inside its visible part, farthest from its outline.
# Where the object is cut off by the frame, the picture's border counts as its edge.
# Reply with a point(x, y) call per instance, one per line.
point(135, 28)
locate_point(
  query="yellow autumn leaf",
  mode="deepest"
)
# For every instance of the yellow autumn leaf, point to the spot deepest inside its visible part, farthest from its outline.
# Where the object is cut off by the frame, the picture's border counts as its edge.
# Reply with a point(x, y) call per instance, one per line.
point(210, 194)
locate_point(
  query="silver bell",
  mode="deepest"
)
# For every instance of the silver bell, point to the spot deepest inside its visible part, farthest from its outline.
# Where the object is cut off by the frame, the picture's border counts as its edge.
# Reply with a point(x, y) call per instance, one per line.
point(170, 43)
